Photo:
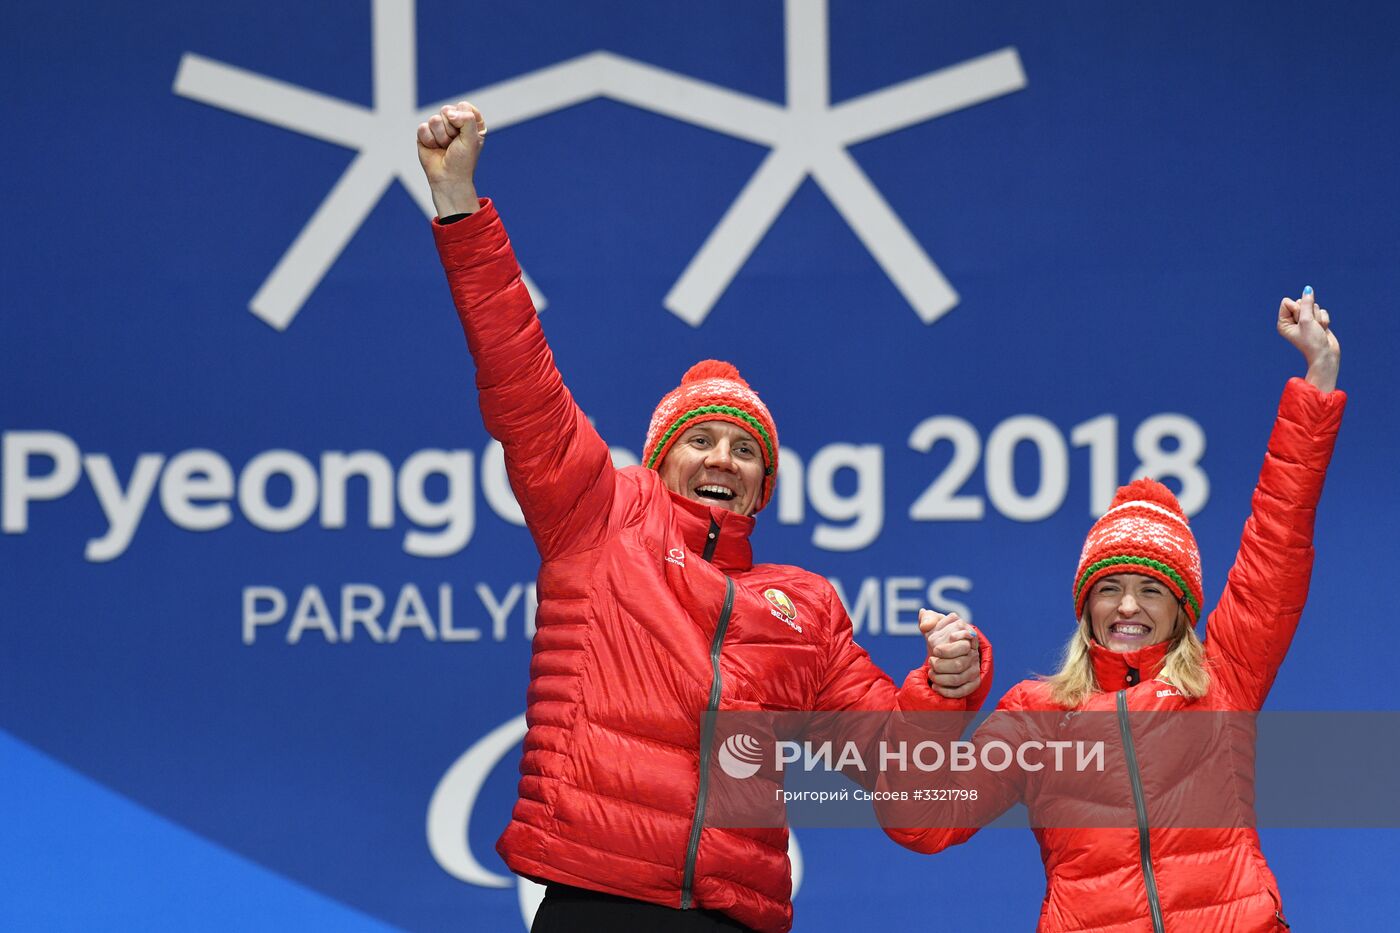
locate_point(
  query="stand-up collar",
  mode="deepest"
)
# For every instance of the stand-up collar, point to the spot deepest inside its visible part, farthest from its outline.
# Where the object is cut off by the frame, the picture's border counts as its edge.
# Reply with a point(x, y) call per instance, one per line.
point(1115, 670)
point(732, 551)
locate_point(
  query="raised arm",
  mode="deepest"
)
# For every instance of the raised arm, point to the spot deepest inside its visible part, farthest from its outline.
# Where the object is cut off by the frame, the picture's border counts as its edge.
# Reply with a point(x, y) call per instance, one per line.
point(1250, 630)
point(559, 468)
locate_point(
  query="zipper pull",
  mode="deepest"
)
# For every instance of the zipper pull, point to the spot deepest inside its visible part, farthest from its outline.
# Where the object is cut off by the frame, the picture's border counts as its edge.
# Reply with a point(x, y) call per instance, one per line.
point(713, 539)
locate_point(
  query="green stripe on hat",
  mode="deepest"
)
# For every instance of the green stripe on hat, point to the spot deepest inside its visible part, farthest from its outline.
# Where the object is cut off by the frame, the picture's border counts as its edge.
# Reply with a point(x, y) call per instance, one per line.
point(1138, 562)
point(729, 410)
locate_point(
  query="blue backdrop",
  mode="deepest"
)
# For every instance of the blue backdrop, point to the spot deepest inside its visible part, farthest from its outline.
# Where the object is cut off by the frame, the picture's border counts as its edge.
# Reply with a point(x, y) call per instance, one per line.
point(265, 604)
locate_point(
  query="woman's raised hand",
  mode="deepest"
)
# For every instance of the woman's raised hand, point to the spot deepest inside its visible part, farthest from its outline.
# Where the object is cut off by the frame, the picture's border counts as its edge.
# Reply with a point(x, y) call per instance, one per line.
point(1309, 328)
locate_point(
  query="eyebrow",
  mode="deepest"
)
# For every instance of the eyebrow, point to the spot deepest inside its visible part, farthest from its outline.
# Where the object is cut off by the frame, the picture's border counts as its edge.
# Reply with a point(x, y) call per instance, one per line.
point(1117, 581)
point(710, 428)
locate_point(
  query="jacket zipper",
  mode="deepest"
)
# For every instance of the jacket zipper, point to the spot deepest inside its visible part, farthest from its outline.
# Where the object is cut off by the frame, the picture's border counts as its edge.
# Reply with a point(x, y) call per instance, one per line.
point(707, 738)
point(1144, 840)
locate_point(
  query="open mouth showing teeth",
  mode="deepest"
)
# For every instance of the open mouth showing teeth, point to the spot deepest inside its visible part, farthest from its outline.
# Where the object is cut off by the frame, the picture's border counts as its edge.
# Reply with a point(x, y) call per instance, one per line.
point(1127, 628)
point(714, 492)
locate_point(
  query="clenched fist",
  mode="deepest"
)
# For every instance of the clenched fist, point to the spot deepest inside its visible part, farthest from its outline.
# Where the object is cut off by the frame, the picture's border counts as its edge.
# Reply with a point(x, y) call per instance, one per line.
point(449, 144)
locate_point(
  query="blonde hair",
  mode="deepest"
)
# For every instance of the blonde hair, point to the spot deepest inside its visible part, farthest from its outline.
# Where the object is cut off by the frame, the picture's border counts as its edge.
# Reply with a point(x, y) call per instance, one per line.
point(1184, 666)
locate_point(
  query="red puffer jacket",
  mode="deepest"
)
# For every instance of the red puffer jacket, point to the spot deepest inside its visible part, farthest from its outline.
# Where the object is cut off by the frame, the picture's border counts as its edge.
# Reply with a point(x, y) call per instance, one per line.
point(1168, 877)
point(651, 613)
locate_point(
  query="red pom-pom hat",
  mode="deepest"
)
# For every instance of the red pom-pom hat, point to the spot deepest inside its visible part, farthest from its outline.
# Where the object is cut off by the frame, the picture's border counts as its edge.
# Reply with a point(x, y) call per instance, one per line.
point(1144, 531)
point(713, 390)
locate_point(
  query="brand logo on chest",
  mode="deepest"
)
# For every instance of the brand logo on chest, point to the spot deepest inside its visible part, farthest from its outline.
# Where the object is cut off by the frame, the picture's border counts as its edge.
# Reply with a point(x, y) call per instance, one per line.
point(782, 607)
point(676, 556)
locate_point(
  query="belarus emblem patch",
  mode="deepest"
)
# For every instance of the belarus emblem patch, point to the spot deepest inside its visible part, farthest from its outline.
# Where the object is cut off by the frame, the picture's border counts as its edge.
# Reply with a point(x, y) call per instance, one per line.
point(782, 606)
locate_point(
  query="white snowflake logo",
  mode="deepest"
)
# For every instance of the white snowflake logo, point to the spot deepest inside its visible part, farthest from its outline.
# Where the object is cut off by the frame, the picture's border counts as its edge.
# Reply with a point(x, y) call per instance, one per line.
point(807, 136)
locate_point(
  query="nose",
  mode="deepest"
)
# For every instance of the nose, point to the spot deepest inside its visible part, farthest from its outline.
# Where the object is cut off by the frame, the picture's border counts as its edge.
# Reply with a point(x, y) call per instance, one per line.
point(720, 457)
point(1128, 605)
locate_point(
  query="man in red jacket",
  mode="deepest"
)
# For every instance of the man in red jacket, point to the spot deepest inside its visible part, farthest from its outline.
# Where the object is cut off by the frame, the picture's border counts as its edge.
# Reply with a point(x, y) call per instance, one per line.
point(653, 615)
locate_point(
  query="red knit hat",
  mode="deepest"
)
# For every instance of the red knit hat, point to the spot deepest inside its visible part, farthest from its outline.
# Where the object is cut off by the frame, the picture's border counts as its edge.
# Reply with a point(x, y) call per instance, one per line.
point(713, 390)
point(1144, 531)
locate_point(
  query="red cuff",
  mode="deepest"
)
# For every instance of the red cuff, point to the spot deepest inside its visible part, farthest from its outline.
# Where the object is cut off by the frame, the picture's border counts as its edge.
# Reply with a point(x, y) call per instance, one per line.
point(1303, 401)
point(460, 232)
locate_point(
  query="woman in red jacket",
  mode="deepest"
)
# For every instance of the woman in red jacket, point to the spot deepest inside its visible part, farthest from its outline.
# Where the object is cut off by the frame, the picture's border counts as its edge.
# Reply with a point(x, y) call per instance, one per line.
point(1138, 595)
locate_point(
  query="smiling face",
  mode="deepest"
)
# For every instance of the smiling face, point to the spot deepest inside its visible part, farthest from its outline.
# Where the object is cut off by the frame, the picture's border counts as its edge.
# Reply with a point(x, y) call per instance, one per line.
point(1128, 611)
point(717, 463)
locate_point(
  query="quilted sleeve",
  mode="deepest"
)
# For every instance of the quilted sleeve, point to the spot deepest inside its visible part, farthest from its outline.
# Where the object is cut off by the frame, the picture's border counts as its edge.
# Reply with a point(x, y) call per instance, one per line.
point(1250, 630)
point(926, 825)
point(560, 469)
point(853, 682)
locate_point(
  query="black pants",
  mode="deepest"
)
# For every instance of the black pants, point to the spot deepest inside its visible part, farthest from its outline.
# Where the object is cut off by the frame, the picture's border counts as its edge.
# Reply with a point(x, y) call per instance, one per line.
point(576, 910)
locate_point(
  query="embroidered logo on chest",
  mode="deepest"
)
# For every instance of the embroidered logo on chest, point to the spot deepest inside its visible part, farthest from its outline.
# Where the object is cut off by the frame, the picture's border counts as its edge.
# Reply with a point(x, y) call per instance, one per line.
point(676, 556)
point(782, 607)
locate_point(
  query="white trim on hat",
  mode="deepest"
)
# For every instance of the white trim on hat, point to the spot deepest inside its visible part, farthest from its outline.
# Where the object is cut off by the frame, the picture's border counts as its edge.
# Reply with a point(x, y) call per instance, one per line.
point(1144, 504)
